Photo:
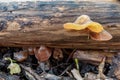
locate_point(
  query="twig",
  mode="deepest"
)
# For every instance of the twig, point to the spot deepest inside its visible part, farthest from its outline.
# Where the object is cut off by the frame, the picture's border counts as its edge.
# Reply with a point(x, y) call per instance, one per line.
point(52, 77)
point(101, 67)
point(69, 74)
point(60, 65)
point(71, 54)
point(28, 69)
point(76, 74)
point(65, 70)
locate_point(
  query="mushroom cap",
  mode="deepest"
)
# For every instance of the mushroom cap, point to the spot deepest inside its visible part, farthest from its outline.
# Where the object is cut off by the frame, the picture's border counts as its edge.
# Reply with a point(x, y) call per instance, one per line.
point(82, 19)
point(92, 26)
point(102, 36)
point(95, 27)
point(74, 26)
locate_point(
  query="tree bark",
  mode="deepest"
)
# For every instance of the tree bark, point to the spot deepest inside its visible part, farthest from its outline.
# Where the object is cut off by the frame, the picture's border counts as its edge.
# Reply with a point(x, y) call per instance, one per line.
point(27, 24)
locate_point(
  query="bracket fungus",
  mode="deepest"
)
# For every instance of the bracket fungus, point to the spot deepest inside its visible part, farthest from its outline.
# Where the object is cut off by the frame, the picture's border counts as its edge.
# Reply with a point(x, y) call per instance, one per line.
point(96, 30)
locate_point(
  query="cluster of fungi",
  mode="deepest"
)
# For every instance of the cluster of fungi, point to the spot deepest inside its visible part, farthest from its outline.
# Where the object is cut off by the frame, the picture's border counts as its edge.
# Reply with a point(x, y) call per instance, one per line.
point(95, 29)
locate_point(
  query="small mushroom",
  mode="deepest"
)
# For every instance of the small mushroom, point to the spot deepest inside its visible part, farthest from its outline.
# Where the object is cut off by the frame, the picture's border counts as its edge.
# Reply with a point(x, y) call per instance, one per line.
point(82, 19)
point(43, 53)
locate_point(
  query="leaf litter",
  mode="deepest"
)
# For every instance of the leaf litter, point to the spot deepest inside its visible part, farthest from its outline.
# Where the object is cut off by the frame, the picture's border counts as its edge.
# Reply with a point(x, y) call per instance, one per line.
point(58, 67)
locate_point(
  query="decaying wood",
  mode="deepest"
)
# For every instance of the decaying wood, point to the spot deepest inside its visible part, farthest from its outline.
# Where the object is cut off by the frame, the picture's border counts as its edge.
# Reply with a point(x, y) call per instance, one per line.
point(94, 57)
point(39, 23)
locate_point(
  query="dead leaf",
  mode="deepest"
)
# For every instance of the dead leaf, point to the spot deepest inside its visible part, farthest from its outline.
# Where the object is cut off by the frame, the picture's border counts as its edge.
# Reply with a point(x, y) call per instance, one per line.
point(43, 53)
point(58, 54)
point(21, 56)
point(31, 51)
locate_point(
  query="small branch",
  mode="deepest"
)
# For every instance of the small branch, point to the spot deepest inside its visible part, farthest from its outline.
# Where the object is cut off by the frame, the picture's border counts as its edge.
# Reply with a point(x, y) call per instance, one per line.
point(28, 69)
point(76, 74)
point(100, 69)
point(65, 70)
point(70, 56)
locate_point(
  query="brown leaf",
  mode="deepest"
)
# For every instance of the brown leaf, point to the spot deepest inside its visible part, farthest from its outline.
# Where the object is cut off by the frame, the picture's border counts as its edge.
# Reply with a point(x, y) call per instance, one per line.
point(43, 53)
point(31, 51)
point(21, 56)
point(57, 54)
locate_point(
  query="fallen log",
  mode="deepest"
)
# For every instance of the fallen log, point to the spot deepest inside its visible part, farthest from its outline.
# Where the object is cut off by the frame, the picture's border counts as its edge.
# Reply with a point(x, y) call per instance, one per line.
point(25, 24)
